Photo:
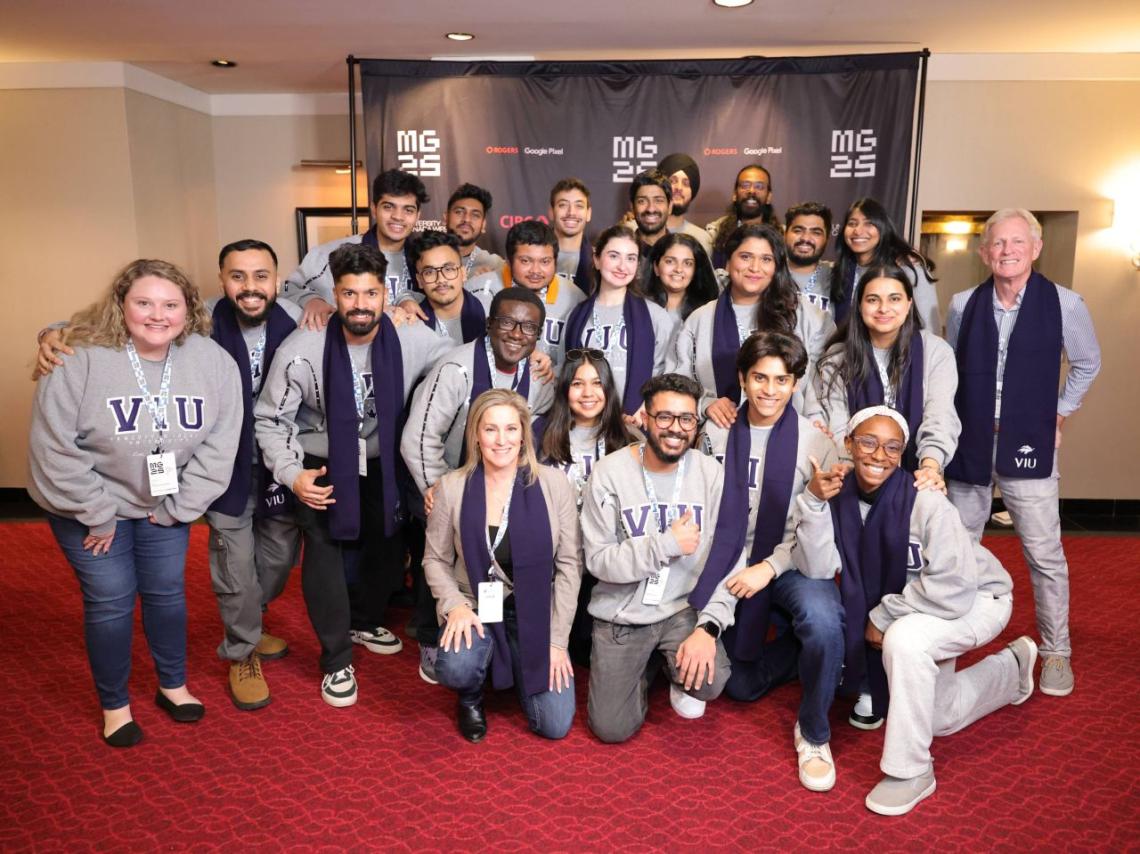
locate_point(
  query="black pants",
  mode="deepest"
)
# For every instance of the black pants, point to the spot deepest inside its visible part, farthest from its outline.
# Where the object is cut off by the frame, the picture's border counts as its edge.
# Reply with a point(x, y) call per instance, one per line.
point(423, 615)
point(376, 560)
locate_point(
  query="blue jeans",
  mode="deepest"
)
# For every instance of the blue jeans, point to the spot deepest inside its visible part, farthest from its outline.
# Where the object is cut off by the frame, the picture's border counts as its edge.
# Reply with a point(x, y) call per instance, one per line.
point(813, 648)
point(145, 560)
point(549, 713)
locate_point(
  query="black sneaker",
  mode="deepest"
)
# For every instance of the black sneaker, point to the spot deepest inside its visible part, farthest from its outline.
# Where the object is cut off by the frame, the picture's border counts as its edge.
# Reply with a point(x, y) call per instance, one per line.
point(339, 689)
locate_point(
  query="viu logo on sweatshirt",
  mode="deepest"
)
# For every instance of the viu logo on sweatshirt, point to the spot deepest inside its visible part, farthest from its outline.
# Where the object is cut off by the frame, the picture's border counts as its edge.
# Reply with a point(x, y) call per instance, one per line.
point(602, 340)
point(914, 559)
point(190, 412)
point(586, 466)
point(753, 469)
point(553, 332)
point(1023, 460)
point(637, 518)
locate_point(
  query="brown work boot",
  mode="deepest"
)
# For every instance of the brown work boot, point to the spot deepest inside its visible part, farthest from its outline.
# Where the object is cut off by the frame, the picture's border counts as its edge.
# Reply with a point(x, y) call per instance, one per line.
point(248, 688)
point(269, 647)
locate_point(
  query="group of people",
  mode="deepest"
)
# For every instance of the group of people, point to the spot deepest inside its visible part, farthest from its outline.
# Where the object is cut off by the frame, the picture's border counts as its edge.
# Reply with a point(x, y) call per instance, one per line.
point(702, 453)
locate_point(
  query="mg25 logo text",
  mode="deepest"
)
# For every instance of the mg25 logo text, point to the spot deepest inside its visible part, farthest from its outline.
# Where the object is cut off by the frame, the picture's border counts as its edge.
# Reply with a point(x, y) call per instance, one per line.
point(417, 152)
point(633, 154)
point(853, 153)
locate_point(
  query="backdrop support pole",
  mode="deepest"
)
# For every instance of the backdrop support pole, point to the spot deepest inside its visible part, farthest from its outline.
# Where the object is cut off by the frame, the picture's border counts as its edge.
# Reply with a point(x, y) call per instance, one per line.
point(922, 61)
point(351, 60)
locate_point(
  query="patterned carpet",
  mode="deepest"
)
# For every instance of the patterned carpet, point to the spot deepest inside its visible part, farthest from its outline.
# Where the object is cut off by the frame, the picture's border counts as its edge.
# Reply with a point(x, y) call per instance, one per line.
point(392, 773)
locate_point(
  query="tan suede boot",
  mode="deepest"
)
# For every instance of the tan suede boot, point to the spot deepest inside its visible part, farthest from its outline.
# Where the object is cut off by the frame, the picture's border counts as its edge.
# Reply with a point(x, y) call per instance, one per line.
point(248, 688)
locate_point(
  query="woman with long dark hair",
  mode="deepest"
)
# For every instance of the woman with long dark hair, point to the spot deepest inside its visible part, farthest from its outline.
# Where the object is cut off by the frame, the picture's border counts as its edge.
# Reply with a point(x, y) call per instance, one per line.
point(633, 332)
point(583, 425)
point(681, 277)
point(760, 296)
point(881, 355)
point(503, 562)
point(870, 238)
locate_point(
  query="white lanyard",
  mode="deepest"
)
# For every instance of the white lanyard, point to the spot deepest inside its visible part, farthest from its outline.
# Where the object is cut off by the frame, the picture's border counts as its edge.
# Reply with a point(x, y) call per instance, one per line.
point(157, 409)
point(256, 355)
point(491, 365)
point(651, 493)
point(501, 533)
point(615, 339)
point(577, 466)
point(469, 264)
point(357, 394)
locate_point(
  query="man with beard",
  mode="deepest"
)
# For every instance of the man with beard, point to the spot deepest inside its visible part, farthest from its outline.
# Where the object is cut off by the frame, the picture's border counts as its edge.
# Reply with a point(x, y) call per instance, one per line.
point(467, 211)
point(751, 205)
point(685, 180)
point(531, 263)
point(432, 443)
point(809, 225)
point(253, 534)
point(650, 199)
point(647, 518)
point(569, 214)
point(328, 422)
point(397, 199)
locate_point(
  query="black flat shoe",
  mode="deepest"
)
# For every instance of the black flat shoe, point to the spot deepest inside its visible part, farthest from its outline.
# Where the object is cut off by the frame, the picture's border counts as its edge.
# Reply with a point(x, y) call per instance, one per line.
point(128, 735)
point(472, 722)
point(186, 713)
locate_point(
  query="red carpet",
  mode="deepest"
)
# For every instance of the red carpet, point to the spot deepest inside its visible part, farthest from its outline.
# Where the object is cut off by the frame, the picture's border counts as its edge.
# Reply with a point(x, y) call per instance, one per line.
point(392, 773)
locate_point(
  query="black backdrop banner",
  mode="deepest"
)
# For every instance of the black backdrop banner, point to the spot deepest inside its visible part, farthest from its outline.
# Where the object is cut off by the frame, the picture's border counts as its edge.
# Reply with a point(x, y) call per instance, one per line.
point(828, 129)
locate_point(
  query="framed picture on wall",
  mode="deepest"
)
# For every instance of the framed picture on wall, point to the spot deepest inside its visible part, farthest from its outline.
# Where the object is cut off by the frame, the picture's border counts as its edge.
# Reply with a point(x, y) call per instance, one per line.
point(320, 225)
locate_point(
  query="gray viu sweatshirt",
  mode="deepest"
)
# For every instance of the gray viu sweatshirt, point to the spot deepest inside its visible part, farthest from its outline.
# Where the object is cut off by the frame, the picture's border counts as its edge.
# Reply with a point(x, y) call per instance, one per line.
point(91, 434)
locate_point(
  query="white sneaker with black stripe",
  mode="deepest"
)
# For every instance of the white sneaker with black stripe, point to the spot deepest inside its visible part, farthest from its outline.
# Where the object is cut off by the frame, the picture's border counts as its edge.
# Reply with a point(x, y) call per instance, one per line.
point(378, 640)
point(339, 688)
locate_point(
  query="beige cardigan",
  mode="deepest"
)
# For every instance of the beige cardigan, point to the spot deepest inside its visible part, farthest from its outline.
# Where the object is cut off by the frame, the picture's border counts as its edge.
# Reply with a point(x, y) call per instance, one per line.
point(446, 571)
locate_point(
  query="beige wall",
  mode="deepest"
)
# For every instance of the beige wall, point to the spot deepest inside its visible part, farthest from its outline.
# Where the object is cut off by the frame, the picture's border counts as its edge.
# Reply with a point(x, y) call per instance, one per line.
point(1056, 146)
point(111, 174)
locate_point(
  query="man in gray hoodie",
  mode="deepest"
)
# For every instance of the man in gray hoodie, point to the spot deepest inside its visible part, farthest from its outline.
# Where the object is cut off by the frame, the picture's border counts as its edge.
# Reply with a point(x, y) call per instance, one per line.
point(647, 520)
point(328, 422)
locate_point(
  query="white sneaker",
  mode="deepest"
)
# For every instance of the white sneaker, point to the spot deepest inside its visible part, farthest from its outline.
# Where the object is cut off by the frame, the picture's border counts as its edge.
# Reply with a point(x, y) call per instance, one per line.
point(685, 705)
point(339, 689)
point(805, 753)
point(378, 640)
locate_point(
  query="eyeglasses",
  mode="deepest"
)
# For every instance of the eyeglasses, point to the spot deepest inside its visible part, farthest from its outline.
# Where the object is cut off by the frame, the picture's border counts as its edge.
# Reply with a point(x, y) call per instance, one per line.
point(431, 274)
point(664, 420)
point(869, 444)
point(508, 324)
point(580, 353)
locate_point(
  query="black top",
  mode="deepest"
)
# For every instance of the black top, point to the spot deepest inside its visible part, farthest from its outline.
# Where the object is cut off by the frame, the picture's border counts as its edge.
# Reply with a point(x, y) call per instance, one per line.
point(503, 552)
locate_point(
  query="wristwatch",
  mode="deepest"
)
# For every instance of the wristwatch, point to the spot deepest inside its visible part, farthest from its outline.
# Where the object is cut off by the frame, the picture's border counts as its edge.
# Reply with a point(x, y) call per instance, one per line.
point(712, 628)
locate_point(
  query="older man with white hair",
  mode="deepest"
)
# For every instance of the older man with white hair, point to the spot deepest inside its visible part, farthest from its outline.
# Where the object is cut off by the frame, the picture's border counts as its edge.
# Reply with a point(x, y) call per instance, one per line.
point(1009, 334)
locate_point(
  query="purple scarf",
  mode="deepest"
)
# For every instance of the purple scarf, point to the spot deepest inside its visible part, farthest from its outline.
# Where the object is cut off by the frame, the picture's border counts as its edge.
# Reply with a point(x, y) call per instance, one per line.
point(908, 396)
point(1029, 387)
point(640, 343)
point(532, 557)
point(227, 334)
point(745, 639)
point(584, 275)
point(874, 558)
point(725, 348)
point(343, 428)
point(472, 317)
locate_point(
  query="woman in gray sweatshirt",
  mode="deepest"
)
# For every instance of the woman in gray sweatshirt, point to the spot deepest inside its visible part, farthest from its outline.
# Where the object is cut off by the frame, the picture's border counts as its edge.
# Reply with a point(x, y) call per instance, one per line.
point(131, 440)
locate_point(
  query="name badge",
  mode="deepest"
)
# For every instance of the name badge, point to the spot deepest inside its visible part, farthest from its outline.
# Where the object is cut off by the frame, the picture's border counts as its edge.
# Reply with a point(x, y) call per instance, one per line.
point(362, 458)
point(655, 587)
point(491, 601)
point(162, 472)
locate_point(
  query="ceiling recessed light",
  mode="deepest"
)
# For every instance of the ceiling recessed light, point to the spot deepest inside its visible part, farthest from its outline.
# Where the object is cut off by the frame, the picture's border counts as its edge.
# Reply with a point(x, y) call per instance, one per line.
point(460, 37)
point(732, 4)
point(223, 63)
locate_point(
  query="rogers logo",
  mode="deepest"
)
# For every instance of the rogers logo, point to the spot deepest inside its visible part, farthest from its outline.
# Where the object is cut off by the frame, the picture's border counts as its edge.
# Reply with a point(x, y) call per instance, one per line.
point(507, 220)
point(720, 152)
point(502, 149)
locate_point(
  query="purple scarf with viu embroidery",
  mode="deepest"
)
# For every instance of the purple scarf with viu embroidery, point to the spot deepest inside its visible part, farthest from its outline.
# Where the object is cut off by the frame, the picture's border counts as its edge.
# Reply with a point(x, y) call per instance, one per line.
point(640, 343)
point(873, 555)
point(745, 639)
point(1027, 433)
point(472, 317)
point(532, 560)
point(343, 427)
point(908, 396)
point(725, 347)
point(227, 334)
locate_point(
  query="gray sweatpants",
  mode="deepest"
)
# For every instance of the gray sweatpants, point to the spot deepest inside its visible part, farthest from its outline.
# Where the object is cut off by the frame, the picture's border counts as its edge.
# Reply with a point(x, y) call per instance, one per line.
point(250, 559)
point(1033, 506)
point(929, 696)
point(619, 683)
